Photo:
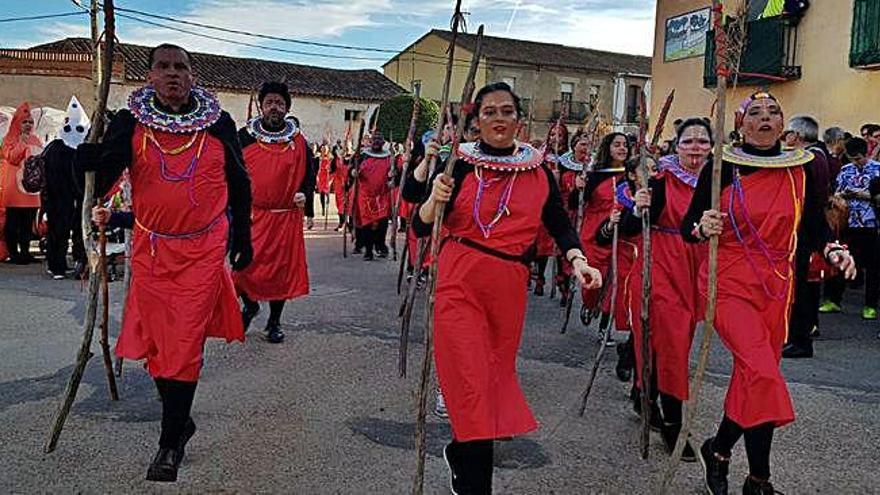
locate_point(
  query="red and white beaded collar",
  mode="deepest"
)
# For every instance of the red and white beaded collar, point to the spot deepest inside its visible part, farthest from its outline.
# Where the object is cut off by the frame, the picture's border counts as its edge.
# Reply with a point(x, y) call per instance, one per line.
point(524, 157)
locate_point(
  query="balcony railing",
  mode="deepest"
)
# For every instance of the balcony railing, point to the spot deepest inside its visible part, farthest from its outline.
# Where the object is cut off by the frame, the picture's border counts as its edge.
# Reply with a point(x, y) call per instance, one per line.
point(770, 54)
point(571, 111)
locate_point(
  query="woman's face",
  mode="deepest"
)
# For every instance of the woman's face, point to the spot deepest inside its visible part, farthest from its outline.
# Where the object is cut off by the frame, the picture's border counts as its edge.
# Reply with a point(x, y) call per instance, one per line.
point(27, 126)
point(581, 148)
point(498, 119)
point(762, 123)
point(619, 149)
point(557, 138)
point(694, 146)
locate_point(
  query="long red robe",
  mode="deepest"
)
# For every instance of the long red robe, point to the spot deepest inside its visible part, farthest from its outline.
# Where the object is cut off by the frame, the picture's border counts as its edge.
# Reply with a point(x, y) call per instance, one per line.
point(279, 269)
point(480, 308)
point(597, 209)
point(181, 287)
point(323, 184)
point(374, 193)
point(676, 304)
point(755, 294)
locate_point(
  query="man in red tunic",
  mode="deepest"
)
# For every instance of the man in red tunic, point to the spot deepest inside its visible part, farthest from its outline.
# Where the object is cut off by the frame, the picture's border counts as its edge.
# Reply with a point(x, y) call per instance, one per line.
point(187, 181)
point(280, 164)
point(372, 206)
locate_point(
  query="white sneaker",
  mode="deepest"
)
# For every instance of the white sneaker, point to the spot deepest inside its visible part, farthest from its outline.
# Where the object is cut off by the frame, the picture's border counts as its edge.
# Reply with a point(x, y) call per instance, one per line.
point(440, 406)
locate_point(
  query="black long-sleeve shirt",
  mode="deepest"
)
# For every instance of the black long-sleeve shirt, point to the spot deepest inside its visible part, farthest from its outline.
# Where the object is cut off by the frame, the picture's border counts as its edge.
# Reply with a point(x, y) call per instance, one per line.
point(813, 232)
point(553, 214)
point(630, 224)
point(307, 187)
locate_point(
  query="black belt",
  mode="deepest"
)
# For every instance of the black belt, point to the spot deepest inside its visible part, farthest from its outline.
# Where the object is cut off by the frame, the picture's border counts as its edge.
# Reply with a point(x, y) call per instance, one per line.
point(525, 258)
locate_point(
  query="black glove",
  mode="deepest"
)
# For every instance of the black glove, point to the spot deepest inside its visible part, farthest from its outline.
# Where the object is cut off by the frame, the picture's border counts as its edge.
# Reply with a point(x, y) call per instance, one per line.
point(242, 253)
point(88, 157)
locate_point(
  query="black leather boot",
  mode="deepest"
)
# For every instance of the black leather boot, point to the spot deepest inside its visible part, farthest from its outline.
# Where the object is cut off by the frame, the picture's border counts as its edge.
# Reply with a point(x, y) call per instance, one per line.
point(754, 486)
point(715, 469)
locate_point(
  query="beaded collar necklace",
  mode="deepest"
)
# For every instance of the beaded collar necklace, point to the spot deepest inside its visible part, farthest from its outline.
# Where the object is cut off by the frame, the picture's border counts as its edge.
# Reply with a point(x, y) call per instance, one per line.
point(373, 154)
point(143, 104)
point(524, 157)
point(567, 160)
point(785, 159)
point(256, 129)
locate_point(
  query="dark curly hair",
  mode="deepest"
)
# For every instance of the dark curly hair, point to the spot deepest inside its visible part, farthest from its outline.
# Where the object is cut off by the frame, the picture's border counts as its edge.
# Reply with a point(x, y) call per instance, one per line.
point(603, 156)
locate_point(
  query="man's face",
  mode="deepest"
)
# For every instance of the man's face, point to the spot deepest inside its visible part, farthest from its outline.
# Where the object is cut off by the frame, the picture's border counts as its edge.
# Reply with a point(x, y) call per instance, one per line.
point(377, 143)
point(874, 138)
point(472, 133)
point(171, 75)
point(273, 108)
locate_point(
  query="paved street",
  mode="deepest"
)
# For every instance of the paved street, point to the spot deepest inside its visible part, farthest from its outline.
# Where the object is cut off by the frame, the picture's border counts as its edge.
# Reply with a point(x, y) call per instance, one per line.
point(326, 413)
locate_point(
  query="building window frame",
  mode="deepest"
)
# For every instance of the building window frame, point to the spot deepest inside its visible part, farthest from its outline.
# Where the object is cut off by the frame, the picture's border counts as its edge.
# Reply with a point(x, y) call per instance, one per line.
point(865, 35)
point(353, 115)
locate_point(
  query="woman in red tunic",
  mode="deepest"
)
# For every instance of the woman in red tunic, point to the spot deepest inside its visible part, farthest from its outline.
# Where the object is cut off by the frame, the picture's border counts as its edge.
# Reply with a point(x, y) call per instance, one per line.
point(339, 173)
point(495, 202)
point(769, 204)
point(555, 147)
point(279, 163)
point(323, 185)
point(676, 305)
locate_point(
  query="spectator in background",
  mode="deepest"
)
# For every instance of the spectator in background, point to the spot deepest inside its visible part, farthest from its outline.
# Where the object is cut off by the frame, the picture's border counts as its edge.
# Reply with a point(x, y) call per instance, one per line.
point(834, 139)
point(803, 133)
point(21, 206)
point(853, 185)
point(871, 134)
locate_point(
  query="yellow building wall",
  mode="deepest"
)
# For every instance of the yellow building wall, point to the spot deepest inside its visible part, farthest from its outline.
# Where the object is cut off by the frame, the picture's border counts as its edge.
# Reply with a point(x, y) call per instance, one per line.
point(829, 89)
point(431, 70)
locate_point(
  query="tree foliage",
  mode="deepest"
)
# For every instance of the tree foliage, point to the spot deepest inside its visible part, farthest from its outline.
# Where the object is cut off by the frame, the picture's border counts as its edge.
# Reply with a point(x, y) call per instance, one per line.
point(396, 113)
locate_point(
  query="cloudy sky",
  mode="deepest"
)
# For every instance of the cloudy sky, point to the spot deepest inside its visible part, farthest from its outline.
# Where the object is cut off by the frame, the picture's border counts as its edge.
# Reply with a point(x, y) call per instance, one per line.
point(616, 25)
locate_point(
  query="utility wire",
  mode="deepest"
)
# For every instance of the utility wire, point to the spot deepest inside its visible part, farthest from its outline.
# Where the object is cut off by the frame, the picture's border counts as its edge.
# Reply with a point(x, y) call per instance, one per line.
point(270, 48)
point(40, 17)
point(280, 38)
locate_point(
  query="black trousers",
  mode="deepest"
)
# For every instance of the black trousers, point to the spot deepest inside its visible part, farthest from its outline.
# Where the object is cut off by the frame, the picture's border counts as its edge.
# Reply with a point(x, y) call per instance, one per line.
point(18, 231)
point(64, 225)
point(863, 243)
point(805, 307)
point(372, 237)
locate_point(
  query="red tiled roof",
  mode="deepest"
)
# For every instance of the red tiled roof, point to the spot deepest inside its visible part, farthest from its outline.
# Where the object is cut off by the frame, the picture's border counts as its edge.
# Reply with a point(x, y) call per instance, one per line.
point(549, 54)
point(246, 74)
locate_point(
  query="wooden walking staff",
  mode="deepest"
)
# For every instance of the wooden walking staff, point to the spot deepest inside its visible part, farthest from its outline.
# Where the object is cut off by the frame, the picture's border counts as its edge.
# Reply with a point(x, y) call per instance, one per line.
point(646, 357)
point(103, 69)
point(590, 130)
point(607, 335)
point(722, 70)
point(647, 372)
point(466, 93)
point(410, 136)
point(409, 301)
point(350, 201)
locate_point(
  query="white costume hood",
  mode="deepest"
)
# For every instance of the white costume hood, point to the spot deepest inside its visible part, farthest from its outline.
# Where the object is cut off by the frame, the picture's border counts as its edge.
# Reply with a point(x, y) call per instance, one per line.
point(76, 124)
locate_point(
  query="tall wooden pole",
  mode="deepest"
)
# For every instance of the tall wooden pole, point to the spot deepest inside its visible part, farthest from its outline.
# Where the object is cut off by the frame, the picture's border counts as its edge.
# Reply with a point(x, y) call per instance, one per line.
point(722, 71)
point(425, 379)
point(95, 133)
point(646, 355)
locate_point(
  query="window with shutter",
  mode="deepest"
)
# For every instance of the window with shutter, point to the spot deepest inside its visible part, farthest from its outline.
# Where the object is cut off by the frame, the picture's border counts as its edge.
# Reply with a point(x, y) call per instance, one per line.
point(865, 48)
